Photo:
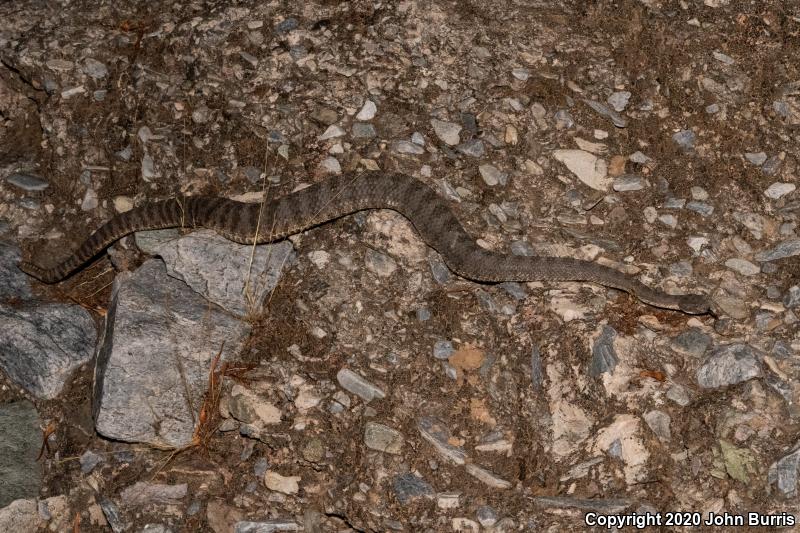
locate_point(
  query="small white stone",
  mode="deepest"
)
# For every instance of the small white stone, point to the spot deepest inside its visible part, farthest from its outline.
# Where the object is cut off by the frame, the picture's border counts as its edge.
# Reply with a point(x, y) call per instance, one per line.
point(743, 266)
point(669, 220)
point(650, 214)
point(332, 132)
point(320, 258)
point(331, 165)
point(123, 203)
point(368, 111)
point(148, 167)
point(699, 193)
point(590, 169)
point(619, 100)
point(446, 131)
point(491, 175)
point(697, 243)
point(776, 190)
point(69, 93)
point(279, 483)
point(89, 200)
point(522, 74)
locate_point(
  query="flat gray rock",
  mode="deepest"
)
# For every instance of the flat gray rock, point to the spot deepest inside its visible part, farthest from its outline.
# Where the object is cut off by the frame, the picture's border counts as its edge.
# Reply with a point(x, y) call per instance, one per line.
point(20, 440)
point(728, 365)
point(787, 248)
point(44, 343)
point(21, 516)
point(152, 369)
point(219, 269)
point(27, 182)
point(13, 282)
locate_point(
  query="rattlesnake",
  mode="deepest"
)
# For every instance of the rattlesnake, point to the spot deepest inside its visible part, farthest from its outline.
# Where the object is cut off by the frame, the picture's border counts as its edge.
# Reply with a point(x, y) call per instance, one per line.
point(346, 194)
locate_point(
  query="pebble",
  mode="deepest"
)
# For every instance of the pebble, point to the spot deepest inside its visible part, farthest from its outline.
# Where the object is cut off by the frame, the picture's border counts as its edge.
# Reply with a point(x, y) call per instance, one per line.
point(363, 130)
point(352, 382)
point(728, 365)
point(408, 487)
point(472, 148)
point(756, 158)
point(678, 394)
point(331, 165)
point(588, 168)
point(792, 298)
point(28, 182)
point(659, 422)
point(201, 114)
point(439, 271)
point(379, 263)
point(669, 220)
point(143, 493)
point(284, 484)
point(325, 115)
point(564, 120)
point(286, 25)
point(712, 109)
point(629, 182)
point(492, 176)
point(90, 201)
point(771, 165)
point(368, 111)
point(423, 314)
point(94, 68)
point(723, 58)
point(20, 440)
point(692, 342)
point(699, 193)
point(487, 477)
point(443, 349)
point(604, 356)
point(89, 460)
point(777, 190)
point(618, 120)
point(383, 438)
point(619, 100)
point(640, 158)
point(265, 526)
point(407, 147)
point(674, 203)
point(700, 207)
point(486, 516)
point(733, 307)
point(148, 167)
point(447, 132)
point(787, 248)
point(522, 74)
point(60, 65)
point(685, 139)
point(783, 472)
point(331, 132)
point(743, 266)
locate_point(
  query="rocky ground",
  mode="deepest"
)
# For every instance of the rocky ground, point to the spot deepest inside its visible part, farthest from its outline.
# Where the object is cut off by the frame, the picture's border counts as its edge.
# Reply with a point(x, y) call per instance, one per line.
point(345, 380)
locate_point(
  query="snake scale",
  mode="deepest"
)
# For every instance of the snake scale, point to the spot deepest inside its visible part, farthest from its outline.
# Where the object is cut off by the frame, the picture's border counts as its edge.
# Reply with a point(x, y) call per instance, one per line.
point(345, 194)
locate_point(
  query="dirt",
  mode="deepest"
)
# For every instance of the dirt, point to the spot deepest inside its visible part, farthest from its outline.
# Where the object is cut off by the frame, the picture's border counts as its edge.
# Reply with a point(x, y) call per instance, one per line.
point(574, 50)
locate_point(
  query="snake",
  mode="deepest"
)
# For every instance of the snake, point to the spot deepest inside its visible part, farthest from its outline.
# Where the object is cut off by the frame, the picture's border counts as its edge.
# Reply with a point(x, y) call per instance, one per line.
point(344, 194)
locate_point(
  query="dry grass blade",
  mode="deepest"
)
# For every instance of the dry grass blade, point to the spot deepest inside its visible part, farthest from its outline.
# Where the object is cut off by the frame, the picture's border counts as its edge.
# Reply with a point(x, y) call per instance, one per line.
point(203, 427)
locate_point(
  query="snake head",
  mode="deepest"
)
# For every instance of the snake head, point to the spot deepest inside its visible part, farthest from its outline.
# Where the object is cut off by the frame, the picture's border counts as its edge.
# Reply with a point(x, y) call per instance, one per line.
point(695, 304)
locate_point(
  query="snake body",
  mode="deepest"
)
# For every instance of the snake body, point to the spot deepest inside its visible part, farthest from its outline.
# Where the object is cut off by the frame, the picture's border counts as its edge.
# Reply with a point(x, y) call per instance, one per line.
point(345, 194)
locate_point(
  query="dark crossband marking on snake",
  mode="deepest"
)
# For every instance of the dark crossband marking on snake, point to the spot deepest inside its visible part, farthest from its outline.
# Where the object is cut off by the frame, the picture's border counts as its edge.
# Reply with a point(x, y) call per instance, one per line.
point(345, 194)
